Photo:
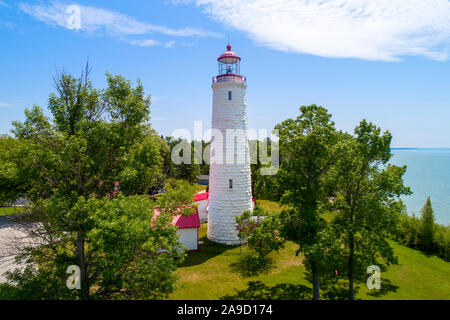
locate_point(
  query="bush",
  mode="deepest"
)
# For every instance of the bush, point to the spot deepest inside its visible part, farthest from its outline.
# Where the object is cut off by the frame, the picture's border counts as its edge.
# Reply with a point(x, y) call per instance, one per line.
point(251, 263)
point(442, 242)
point(408, 233)
point(424, 234)
point(261, 230)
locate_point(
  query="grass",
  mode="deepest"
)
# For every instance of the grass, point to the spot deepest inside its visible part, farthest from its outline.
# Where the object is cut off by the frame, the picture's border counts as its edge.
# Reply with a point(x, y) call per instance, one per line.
point(269, 206)
point(8, 211)
point(417, 276)
point(209, 274)
point(199, 188)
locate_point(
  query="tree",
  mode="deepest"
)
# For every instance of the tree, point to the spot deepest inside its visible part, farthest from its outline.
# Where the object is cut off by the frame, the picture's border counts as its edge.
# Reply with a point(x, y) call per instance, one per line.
point(97, 145)
point(10, 187)
point(122, 247)
point(263, 186)
point(427, 228)
point(204, 166)
point(442, 241)
point(307, 153)
point(366, 189)
point(187, 170)
point(261, 230)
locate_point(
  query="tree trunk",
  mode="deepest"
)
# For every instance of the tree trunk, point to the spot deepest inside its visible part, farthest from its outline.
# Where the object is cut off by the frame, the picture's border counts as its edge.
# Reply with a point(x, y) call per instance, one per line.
point(83, 268)
point(316, 291)
point(351, 294)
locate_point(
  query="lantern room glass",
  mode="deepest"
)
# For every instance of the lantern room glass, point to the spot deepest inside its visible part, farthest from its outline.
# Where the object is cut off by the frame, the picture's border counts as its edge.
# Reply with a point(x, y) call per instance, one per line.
point(229, 66)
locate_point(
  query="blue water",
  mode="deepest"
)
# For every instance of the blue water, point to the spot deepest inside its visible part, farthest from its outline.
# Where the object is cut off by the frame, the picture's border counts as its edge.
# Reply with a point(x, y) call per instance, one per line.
point(427, 174)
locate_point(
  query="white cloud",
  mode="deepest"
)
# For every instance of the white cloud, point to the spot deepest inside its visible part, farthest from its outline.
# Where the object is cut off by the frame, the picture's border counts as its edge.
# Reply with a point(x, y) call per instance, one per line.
point(169, 44)
point(100, 21)
point(365, 29)
point(145, 43)
point(152, 43)
point(3, 104)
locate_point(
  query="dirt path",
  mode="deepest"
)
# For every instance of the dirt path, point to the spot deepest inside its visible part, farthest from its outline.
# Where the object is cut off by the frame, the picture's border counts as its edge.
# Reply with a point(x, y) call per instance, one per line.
point(11, 239)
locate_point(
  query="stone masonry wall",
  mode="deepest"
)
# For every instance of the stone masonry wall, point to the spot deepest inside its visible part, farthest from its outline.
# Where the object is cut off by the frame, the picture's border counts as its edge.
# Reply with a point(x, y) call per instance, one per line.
point(224, 203)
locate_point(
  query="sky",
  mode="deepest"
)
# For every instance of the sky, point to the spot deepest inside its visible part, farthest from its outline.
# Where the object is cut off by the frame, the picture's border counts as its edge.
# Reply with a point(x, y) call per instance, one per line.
point(385, 61)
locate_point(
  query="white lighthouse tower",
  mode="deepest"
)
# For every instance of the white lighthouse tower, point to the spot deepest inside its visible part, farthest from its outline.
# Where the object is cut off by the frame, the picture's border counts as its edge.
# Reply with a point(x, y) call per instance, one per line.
point(230, 192)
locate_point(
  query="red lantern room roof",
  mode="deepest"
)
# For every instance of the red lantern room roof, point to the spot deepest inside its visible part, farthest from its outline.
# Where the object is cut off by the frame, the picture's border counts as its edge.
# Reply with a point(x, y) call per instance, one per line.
point(229, 56)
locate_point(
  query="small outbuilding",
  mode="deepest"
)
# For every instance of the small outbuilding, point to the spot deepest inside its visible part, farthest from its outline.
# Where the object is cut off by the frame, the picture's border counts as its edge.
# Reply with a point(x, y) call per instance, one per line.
point(188, 230)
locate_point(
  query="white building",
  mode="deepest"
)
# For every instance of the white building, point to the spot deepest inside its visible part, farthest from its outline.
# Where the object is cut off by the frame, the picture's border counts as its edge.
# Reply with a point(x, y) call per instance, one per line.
point(188, 230)
point(230, 192)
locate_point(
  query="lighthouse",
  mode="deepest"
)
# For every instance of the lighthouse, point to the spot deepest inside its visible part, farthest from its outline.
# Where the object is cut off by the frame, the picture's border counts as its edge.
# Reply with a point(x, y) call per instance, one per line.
point(230, 191)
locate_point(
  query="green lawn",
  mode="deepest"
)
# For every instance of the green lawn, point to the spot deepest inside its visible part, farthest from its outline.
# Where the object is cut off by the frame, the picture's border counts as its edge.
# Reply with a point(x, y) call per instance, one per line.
point(199, 188)
point(209, 274)
point(269, 206)
point(7, 211)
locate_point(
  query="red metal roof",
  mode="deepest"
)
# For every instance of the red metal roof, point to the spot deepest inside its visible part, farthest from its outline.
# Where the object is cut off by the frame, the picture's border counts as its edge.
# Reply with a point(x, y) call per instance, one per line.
point(182, 222)
point(228, 54)
point(201, 196)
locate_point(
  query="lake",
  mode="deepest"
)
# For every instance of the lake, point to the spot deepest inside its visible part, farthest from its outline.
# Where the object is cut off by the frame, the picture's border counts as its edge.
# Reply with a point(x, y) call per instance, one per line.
point(428, 174)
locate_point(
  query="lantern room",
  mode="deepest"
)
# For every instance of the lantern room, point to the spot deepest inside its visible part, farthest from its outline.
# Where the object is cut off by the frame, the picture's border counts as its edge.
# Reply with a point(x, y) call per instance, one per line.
point(229, 67)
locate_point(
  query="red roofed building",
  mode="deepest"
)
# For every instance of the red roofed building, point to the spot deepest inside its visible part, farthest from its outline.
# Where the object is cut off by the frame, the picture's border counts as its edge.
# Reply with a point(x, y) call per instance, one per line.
point(201, 196)
point(188, 230)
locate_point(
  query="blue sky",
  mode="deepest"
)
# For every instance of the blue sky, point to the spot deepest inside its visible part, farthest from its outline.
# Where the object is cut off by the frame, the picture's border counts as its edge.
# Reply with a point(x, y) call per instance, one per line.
point(387, 63)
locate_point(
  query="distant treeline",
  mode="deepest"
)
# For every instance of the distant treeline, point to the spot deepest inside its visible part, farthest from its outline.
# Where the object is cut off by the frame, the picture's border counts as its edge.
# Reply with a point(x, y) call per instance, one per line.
point(423, 234)
point(261, 185)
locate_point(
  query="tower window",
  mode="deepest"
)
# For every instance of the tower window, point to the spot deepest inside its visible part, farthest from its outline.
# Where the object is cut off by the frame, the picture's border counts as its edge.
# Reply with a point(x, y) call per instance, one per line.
point(230, 95)
point(230, 182)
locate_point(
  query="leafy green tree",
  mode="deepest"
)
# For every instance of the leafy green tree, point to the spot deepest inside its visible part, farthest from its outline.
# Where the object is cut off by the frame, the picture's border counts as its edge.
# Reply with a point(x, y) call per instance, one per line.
point(307, 153)
point(255, 166)
point(427, 228)
point(189, 170)
point(10, 187)
point(365, 203)
point(204, 165)
point(411, 228)
point(121, 248)
point(261, 231)
point(141, 168)
point(98, 144)
point(263, 186)
point(408, 229)
point(412, 239)
point(442, 241)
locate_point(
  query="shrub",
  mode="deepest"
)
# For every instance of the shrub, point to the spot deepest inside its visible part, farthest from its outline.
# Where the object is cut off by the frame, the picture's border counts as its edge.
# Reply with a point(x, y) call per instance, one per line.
point(262, 232)
point(424, 234)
